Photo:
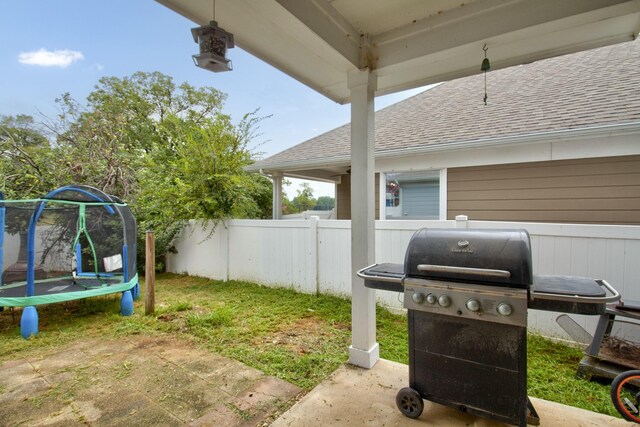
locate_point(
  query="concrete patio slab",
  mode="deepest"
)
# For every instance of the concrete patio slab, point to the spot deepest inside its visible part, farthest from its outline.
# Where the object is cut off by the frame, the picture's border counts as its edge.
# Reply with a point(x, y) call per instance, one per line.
point(145, 381)
point(359, 397)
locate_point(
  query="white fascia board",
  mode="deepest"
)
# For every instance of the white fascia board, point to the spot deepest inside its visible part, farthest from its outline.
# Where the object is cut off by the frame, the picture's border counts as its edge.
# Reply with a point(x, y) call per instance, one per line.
point(328, 162)
point(540, 137)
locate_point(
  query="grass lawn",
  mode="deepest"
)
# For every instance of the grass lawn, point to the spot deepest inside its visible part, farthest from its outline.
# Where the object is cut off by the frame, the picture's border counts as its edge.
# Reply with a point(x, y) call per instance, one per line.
point(296, 337)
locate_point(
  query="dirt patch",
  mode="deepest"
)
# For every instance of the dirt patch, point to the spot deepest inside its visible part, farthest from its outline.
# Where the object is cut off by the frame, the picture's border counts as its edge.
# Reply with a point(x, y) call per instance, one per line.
point(301, 337)
point(621, 352)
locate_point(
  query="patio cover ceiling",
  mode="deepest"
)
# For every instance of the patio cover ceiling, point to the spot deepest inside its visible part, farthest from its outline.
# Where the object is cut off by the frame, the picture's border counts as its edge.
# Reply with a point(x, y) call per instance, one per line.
point(352, 50)
point(410, 43)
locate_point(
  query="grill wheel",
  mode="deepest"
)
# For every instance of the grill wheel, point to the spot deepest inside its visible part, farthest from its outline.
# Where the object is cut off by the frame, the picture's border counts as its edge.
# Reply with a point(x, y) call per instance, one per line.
point(409, 402)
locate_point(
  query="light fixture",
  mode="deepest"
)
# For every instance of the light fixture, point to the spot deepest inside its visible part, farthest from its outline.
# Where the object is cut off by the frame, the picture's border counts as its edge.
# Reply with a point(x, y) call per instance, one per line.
point(213, 42)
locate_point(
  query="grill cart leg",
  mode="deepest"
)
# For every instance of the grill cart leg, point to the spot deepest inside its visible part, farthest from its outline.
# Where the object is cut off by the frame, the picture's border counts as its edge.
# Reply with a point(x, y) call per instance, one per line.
point(532, 416)
point(409, 402)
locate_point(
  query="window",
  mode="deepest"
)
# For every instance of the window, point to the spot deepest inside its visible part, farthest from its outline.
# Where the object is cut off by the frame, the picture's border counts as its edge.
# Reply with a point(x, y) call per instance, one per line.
point(412, 195)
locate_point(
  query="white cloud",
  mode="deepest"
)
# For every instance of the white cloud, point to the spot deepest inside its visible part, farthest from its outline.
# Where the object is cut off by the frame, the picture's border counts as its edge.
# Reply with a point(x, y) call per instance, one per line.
point(45, 58)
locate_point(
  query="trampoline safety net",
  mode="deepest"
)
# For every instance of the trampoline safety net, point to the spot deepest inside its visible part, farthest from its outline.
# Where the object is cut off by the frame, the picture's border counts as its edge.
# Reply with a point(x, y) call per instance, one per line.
point(75, 238)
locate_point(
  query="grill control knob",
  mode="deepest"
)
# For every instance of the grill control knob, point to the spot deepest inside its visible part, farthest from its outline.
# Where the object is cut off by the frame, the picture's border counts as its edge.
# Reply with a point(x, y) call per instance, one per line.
point(431, 299)
point(504, 309)
point(473, 305)
point(444, 300)
point(418, 298)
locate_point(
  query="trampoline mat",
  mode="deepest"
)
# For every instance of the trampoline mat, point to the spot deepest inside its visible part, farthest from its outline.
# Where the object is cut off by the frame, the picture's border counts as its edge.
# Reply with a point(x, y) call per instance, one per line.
point(58, 286)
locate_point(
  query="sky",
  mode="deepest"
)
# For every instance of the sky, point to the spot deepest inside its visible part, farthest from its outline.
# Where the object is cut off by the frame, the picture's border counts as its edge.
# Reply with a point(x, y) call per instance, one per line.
point(48, 48)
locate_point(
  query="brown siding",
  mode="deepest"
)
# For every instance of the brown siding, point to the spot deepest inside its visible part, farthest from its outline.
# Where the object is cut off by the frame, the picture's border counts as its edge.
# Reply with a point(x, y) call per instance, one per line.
point(343, 197)
point(602, 190)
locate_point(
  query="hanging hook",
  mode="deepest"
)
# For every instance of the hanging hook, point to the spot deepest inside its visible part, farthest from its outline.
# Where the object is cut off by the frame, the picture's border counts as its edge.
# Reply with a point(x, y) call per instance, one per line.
point(486, 66)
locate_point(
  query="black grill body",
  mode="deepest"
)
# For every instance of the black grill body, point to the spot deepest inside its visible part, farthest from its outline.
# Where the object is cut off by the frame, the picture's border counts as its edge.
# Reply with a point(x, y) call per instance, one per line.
point(475, 367)
point(467, 292)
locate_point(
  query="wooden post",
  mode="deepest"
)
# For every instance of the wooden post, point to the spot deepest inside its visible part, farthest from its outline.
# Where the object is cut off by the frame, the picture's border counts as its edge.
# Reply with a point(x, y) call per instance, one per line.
point(150, 273)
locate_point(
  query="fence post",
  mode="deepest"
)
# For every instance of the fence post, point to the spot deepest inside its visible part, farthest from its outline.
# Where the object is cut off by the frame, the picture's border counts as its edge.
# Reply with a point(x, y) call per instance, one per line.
point(314, 283)
point(224, 231)
point(461, 221)
point(150, 273)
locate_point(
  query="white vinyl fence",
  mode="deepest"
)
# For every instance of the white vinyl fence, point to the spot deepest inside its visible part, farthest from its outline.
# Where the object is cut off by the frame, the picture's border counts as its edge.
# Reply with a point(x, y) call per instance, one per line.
point(314, 256)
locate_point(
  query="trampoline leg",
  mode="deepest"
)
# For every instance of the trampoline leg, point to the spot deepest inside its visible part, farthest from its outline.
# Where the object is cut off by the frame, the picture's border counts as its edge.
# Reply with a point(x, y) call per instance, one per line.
point(136, 291)
point(126, 304)
point(29, 322)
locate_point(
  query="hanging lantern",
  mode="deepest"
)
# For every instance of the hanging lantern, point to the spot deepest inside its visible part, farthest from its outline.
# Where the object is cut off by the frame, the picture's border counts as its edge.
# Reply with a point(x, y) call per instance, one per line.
point(213, 42)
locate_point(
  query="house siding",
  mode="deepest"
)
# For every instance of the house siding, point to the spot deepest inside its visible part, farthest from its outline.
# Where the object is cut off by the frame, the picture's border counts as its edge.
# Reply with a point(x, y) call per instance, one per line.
point(598, 191)
point(343, 197)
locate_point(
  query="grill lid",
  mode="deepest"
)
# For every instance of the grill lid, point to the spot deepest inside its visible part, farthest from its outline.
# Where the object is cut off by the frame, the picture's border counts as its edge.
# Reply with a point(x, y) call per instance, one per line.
point(496, 257)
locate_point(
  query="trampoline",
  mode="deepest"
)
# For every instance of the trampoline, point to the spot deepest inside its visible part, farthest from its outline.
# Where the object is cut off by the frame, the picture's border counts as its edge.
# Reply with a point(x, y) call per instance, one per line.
point(76, 242)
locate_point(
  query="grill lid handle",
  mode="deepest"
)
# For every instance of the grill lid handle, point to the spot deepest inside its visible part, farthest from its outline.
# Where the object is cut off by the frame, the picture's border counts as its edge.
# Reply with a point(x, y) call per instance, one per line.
point(484, 272)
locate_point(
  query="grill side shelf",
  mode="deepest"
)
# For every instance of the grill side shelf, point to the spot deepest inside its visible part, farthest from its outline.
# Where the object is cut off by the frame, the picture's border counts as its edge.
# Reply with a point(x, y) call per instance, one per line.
point(574, 295)
point(385, 277)
point(613, 297)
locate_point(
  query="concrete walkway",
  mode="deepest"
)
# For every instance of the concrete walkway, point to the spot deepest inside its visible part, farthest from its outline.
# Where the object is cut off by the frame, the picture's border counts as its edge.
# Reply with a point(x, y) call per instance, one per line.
point(139, 381)
point(359, 397)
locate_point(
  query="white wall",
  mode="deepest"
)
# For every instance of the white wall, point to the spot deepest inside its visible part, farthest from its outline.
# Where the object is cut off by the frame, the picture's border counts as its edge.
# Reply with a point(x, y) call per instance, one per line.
point(314, 256)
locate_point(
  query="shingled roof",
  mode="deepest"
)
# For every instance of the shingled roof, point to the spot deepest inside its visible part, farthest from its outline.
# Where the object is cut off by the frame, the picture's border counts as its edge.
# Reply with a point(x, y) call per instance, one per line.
point(587, 89)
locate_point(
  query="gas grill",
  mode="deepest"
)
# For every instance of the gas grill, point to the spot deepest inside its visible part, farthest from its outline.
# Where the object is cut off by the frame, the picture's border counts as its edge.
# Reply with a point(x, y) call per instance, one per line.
point(467, 293)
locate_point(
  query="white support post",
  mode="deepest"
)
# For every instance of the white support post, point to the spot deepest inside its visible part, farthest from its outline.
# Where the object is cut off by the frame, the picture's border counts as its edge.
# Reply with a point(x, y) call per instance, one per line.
point(277, 195)
point(364, 350)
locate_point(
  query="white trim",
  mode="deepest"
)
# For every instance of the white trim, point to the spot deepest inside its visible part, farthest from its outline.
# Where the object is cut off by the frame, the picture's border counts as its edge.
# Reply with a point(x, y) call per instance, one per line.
point(539, 137)
point(443, 194)
point(364, 358)
point(335, 198)
point(383, 195)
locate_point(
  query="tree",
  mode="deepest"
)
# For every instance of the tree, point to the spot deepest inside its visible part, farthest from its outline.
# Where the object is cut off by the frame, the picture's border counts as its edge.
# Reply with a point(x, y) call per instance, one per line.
point(288, 207)
point(304, 201)
point(325, 203)
point(26, 158)
point(168, 149)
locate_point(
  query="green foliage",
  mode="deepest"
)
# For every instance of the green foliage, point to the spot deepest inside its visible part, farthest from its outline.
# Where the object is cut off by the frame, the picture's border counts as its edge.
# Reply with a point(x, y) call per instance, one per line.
point(325, 203)
point(304, 201)
point(288, 207)
point(27, 164)
point(167, 149)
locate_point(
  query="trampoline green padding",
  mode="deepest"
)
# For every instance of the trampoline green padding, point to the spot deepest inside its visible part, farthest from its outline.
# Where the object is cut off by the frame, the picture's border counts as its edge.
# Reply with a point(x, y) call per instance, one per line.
point(76, 242)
